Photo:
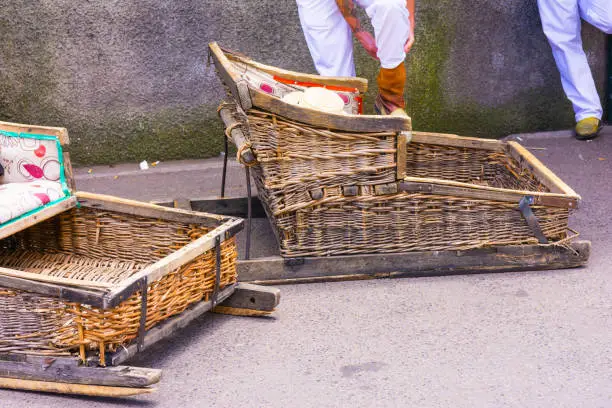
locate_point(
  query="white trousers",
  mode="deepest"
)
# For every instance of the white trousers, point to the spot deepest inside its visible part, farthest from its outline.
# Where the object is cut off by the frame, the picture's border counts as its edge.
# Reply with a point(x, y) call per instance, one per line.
point(561, 23)
point(329, 36)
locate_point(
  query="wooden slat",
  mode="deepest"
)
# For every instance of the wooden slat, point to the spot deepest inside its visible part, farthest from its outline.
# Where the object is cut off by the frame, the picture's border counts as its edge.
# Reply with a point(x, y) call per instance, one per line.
point(73, 389)
point(54, 279)
point(545, 175)
point(360, 84)
point(169, 263)
point(313, 117)
point(253, 297)
point(92, 297)
point(59, 132)
point(400, 156)
point(35, 218)
point(277, 270)
point(447, 187)
point(229, 77)
point(141, 209)
point(68, 370)
point(168, 327)
point(69, 173)
point(444, 139)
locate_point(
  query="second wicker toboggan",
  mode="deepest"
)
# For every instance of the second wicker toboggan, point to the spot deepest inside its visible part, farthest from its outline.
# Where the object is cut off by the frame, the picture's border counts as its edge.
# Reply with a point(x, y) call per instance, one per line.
point(337, 184)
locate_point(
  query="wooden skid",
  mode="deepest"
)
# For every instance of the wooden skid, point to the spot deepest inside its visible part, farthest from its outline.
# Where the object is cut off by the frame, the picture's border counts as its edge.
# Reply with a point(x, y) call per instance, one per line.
point(253, 297)
point(68, 370)
point(74, 389)
point(276, 270)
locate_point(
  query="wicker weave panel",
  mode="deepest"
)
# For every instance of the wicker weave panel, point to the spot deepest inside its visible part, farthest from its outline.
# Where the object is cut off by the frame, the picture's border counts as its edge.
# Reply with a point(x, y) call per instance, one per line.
point(410, 222)
point(73, 246)
point(469, 165)
point(295, 158)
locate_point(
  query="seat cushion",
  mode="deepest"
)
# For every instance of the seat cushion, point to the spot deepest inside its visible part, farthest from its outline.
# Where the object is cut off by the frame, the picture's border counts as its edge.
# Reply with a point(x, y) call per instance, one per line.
point(279, 87)
point(17, 199)
point(27, 158)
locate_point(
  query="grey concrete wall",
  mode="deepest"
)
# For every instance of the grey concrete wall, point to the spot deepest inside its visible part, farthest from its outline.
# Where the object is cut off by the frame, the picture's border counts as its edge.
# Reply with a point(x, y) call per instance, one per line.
point(129, 78)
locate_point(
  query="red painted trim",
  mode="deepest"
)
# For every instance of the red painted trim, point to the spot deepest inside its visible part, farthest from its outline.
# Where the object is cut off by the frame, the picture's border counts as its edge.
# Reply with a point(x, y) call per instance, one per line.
point(311, 85)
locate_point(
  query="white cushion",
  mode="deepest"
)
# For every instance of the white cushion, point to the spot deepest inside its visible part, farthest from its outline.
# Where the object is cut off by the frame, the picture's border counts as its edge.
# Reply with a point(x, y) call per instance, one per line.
point(28, 159)
point(17, 199)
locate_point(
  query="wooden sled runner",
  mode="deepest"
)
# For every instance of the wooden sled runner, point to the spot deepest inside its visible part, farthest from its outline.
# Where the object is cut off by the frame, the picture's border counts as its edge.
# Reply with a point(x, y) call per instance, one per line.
point(87, 286)
point(358, 196)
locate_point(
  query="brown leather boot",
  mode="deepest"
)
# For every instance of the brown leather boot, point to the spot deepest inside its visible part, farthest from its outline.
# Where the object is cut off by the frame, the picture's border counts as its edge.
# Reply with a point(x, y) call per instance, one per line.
point(391, 83)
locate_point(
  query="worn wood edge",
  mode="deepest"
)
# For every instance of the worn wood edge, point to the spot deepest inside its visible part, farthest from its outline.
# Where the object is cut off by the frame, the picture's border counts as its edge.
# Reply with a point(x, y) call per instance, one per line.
point(349, 123)
point(74, 389)
point(139, 208)
point(361, 84)
point(223, 65)
point(167, 328)
point(447, 139)
point(440, 186)
point(164, 266)
point(67, 370)
point(91, 297)
point(15, 273)
point(234, 311)
point(69, 173)
point(546, 176)
point(253, 297)
point(59, 132)
point(274, 270)
point(37, 217)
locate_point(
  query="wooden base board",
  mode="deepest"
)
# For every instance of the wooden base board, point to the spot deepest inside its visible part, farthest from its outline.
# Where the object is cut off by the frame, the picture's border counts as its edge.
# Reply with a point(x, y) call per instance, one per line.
point(73, 389)
point(278, 270)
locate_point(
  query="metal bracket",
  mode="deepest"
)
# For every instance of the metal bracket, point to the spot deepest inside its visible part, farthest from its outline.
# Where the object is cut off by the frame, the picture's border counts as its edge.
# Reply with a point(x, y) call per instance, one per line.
point(532, 220)
point(142, 330)
point(215, 293)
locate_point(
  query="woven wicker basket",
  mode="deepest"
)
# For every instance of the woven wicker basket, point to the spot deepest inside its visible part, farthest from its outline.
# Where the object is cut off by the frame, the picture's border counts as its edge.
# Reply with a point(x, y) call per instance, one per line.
point(349, 184)
point(106, 252)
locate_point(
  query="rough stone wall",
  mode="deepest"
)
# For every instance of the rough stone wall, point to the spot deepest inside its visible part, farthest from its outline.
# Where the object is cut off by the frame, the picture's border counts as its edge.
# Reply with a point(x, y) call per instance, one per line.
point(130, 82)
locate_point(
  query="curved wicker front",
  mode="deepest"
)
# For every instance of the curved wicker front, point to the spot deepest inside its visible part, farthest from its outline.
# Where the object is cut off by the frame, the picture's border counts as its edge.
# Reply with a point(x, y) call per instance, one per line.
point(104, 247)
point(295, 158)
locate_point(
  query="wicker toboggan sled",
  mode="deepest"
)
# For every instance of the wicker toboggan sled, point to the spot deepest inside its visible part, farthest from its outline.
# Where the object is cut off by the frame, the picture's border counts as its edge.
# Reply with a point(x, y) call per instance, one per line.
point(89, 281)
point(352, 184)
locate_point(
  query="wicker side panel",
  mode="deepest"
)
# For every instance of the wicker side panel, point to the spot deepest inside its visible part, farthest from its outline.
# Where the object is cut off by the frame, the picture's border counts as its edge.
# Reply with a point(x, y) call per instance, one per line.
point(28, 322)
point(106, 235)
point(295, 158)
point(410, 222)
point(41, 324)
point(469, 165)
point(169, 296)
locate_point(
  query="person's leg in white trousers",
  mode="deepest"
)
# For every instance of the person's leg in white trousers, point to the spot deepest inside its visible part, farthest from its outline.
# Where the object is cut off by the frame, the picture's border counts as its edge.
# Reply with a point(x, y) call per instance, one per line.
point(561, 24)
point(329, 37)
